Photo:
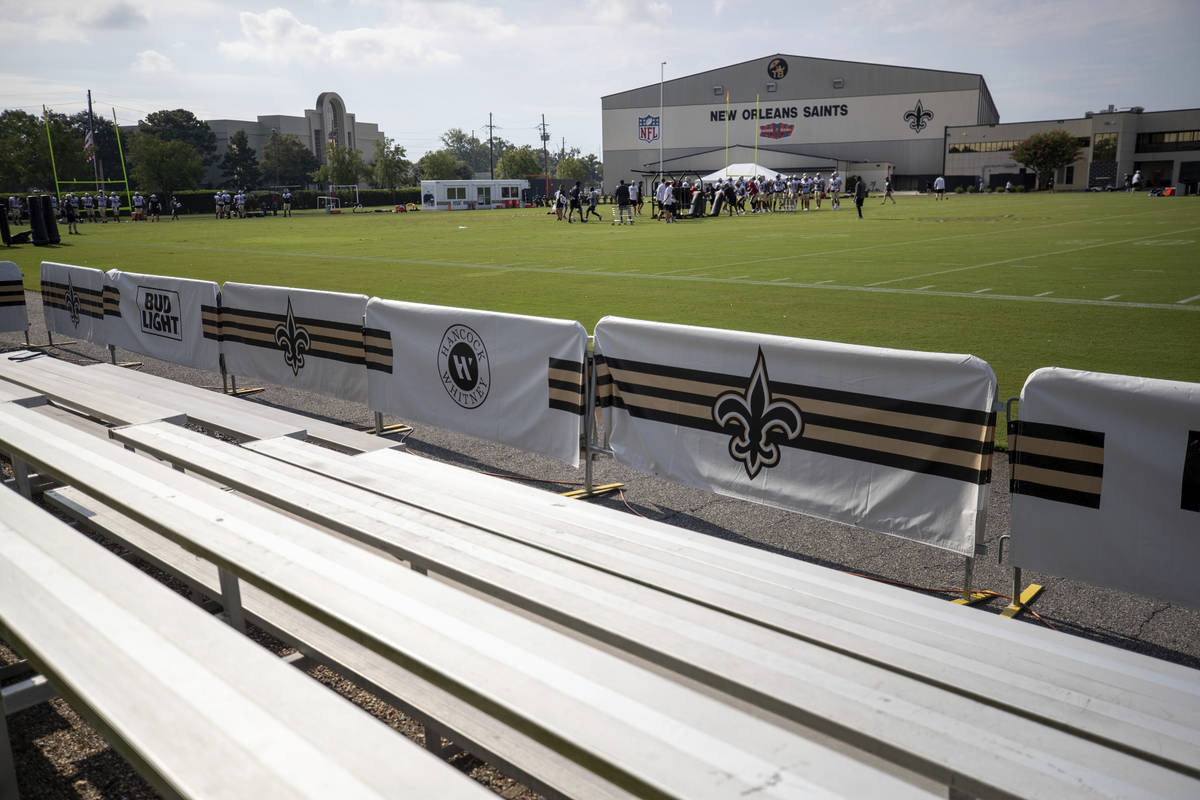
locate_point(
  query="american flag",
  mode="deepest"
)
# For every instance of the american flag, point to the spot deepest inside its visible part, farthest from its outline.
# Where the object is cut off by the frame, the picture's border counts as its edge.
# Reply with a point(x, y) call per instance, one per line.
point(89, 144)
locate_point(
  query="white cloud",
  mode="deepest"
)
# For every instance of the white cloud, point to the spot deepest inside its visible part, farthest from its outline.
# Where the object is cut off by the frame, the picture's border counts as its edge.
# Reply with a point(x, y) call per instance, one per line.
point(278, 36)
point(152, 62)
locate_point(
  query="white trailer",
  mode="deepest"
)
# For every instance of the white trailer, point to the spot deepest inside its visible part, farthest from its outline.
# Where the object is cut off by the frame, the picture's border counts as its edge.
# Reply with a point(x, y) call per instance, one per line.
point(460, 195)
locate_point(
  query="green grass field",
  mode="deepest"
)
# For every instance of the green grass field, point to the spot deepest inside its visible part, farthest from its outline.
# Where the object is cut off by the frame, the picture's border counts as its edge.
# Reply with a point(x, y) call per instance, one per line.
point(1104, 282)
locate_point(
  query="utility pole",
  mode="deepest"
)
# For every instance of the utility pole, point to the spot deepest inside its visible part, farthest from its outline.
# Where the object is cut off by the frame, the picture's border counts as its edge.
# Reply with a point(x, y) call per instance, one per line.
point(545, 156)
point(491, 152)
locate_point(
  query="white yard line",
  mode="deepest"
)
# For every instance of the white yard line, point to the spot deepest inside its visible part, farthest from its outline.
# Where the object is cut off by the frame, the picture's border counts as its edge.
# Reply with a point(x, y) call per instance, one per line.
point(981, 291)
point(1112, 297)
point(1043, 294)
point(1188, 299)
point(1033, 255)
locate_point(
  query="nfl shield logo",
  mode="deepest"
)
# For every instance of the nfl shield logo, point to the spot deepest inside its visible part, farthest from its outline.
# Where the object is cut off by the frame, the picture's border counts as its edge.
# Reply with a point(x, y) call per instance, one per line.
point(648, 127)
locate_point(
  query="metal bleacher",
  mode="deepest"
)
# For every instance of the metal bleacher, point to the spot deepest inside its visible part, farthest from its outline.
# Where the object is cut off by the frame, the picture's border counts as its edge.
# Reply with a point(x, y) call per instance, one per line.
point(588, 652)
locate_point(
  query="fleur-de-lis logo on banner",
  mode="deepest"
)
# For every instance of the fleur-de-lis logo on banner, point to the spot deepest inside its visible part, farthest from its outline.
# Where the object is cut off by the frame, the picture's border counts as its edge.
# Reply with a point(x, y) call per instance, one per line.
point(756, 421)
point(293, 340)
point(918, 117)
point(71, 300)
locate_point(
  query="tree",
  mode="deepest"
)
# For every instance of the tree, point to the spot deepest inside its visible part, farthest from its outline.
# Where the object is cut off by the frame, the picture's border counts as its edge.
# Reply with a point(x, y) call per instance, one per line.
point(239, 165)
point(181, 125)
point(164, 166)
point(25, 153)
point(441, 165)
point(1046, 152)
point(391, 168)
point(572, 169)
point(346, 166)
point(286, 161)
point(473, 152)
point(518, 163)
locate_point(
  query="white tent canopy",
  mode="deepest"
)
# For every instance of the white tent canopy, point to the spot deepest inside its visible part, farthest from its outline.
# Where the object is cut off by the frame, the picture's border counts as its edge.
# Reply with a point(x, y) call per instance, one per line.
point(744, 170)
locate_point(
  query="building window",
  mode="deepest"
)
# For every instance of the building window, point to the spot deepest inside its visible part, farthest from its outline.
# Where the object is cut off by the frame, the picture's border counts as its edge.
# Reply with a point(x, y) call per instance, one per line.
point(509, 192)
point(1104, 147)
point(984, 147)
point(839, 83)
point(772, 86)
point(718, 90)
point(456, 193)
point(1167, 141)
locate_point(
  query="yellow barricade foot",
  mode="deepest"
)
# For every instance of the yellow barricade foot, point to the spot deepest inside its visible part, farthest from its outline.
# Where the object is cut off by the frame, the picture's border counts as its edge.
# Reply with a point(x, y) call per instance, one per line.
point(1016, 607)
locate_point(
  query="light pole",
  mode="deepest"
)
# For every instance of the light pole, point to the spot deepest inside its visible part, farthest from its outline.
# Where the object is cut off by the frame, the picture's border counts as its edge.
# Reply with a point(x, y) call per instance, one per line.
point(661, 68)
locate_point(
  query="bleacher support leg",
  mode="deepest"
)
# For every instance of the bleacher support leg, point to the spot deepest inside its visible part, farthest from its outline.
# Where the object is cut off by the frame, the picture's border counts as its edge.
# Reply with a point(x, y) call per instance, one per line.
point(8, 769)
point(21, 476)
point(231, 600)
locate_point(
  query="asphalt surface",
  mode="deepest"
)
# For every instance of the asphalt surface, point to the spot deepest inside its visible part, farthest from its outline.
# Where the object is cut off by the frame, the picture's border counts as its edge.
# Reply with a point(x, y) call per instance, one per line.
point(1142, 624)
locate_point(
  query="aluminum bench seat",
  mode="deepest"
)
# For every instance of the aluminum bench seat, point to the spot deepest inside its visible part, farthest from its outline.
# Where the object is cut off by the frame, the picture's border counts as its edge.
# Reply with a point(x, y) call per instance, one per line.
point(1132, 702)
point(641, 730)
point(531, 762)
point(912, 723)
point(199, 710)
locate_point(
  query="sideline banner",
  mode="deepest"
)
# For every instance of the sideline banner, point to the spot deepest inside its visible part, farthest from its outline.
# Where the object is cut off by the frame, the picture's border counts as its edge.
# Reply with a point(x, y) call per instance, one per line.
point(299, 338)
point(72, 301)
point(175, 319)
point(13, 315)
point(1106, 481)
point(893, 441)
point(502, 377)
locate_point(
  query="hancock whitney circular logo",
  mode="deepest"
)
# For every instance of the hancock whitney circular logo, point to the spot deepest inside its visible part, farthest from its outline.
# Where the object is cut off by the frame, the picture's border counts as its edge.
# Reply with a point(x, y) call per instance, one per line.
point(464, 367)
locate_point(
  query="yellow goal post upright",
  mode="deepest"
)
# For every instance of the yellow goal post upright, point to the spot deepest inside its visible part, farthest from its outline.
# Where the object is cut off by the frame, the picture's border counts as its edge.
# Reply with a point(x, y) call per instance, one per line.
point(100, 184)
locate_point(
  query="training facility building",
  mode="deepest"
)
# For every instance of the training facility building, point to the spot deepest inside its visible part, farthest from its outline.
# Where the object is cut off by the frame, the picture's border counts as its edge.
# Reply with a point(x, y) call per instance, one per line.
point(1113, 143)
point(329, 122)
point(793, 114)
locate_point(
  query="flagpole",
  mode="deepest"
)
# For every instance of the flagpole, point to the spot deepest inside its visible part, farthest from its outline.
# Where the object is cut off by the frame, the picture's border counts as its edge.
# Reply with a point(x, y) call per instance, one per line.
point(726, 130)
point(50, 142)
point(92, 136)
point(756, 130)
point(661, 127)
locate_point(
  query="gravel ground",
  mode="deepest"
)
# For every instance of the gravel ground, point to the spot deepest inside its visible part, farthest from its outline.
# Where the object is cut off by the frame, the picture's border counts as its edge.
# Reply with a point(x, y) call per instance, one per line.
point(58, 756)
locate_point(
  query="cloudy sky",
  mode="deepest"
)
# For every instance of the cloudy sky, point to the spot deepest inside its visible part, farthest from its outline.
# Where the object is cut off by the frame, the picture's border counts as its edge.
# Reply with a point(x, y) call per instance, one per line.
point(419, 67)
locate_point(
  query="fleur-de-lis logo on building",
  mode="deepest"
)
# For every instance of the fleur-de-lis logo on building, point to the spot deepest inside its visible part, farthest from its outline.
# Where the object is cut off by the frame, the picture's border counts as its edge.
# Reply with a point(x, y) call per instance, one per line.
point(293, 340)
point(71, 301)
point(918, 117)
point(756, 421)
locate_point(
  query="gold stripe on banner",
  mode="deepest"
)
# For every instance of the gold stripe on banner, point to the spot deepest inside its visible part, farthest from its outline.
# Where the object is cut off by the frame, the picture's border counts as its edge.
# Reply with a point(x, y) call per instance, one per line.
point(378, 345)
point(111, 298)
point(1056, 462)
point(329, 339)
point(565, 380)
point(923, 437)
point(1089, 484)
point(54, 294)
point(210, 322)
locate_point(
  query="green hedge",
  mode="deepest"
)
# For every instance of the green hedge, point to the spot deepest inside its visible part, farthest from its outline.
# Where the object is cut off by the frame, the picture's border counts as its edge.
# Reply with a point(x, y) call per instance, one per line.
point(200, 201)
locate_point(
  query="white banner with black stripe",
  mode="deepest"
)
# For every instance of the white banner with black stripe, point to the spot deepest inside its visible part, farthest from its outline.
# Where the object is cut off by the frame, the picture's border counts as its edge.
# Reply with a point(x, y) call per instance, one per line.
point(175, 319)
point(503, 377)
point(13, 315)
point(299, 338)
point(893, 441)
point(1106, 481)
point(72, 301)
